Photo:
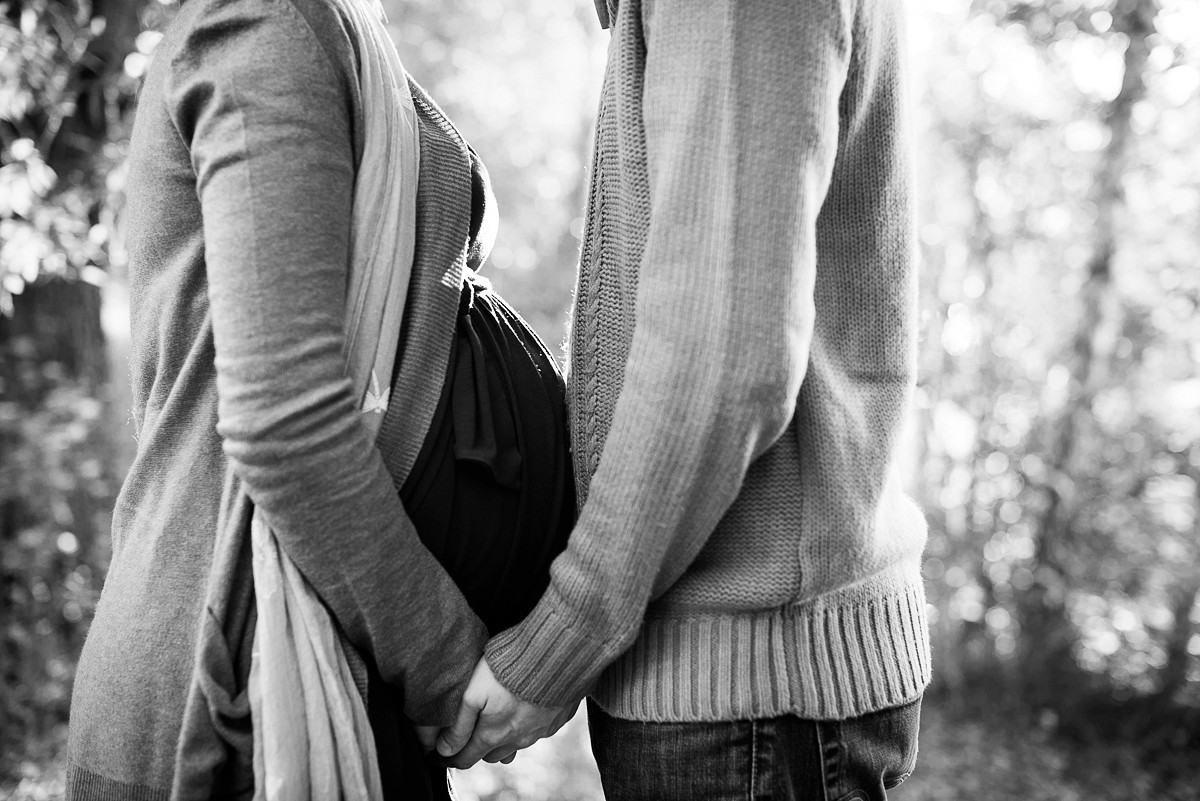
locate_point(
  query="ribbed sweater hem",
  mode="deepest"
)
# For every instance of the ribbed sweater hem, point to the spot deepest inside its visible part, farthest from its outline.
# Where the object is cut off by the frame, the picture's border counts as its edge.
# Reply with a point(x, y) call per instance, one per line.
point(85, 785)
point(838, 656)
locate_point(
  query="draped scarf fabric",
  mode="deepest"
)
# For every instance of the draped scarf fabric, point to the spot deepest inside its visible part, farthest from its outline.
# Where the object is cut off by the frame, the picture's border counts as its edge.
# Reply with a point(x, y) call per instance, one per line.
point(309, 731)
point(322, 748)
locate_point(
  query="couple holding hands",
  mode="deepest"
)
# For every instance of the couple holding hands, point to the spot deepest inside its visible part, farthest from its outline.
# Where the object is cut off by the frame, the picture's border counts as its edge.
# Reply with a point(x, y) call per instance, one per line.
point(325, 584)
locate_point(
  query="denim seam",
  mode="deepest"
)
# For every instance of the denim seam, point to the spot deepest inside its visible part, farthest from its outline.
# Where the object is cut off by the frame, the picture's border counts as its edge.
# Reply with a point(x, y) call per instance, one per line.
point(825, 750)
point(753, 757)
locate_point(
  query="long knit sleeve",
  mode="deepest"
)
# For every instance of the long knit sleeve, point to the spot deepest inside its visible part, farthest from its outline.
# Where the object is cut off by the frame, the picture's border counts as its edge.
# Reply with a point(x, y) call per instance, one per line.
point(741, 132)
point(273, 157)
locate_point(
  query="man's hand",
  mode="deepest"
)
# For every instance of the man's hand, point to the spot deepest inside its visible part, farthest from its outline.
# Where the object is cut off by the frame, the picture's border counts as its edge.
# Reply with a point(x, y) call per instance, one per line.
point(493, 724)
point(427, 736)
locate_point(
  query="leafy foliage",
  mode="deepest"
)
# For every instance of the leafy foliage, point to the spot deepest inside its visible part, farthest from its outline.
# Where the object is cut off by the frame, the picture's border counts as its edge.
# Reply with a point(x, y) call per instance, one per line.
point(1060, 461)
point(65, 99)
point(50, 226)
point(54, 483)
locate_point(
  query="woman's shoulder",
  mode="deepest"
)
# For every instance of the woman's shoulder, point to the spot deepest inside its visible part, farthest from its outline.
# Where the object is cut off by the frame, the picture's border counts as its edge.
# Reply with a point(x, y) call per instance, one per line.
point(248, 37)
point(222, 54)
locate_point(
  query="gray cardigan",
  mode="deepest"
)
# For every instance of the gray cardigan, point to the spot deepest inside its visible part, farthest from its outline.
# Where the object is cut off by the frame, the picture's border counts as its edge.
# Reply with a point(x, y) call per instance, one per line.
point(241, 171)
point(742, 363)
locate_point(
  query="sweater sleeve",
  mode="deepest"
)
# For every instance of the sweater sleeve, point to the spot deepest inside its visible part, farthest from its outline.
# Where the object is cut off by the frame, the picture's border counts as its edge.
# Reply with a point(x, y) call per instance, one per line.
point(267, 118)
point(741, 131)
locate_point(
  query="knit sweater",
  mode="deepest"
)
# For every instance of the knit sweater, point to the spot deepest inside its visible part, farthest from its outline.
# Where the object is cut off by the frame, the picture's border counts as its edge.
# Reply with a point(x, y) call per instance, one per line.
point(742, 359)
point(242, 167)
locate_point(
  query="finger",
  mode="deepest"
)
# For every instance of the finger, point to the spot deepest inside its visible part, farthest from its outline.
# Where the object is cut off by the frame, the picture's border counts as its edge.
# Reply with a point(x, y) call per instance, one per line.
point(451, 740)
point(500, 731)
point(486, 738)
point(427, 737)
point(503, 755)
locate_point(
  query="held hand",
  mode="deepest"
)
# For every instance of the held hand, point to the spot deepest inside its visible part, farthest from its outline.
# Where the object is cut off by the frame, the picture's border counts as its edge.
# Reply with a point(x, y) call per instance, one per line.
point(427, 736)
point(493, 724)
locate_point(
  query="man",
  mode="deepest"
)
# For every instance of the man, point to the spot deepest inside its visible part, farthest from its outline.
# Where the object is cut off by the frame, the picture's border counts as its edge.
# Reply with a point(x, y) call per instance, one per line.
point(741, 597)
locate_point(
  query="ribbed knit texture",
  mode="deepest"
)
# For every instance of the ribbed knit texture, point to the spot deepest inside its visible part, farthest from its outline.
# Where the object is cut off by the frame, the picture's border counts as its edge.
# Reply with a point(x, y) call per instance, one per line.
point(723, 667)
point(242, 164)
point(742, 359)
point(82, 783)
point(443, 225)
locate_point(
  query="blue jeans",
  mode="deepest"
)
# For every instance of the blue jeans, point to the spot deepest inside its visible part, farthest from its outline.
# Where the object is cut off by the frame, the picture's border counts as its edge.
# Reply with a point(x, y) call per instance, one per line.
point(756, 760)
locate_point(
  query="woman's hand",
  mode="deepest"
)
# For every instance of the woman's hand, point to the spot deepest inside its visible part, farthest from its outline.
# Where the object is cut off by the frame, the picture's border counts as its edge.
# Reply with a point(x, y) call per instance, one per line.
point(427, 736)
point(493, 724)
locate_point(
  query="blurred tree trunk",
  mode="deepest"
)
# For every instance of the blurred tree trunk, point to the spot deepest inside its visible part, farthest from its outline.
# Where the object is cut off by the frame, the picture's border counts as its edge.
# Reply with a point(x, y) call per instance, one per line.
point(54, 333)
point(1174, 675)
point(1046, 635)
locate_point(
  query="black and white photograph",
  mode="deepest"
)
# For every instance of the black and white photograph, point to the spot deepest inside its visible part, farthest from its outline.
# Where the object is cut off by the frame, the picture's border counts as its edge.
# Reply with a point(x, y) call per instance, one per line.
point(599, 400)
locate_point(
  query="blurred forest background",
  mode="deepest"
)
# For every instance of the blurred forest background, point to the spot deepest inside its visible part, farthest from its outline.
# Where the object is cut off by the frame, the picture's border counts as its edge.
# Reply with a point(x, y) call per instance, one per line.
point(1056, 441)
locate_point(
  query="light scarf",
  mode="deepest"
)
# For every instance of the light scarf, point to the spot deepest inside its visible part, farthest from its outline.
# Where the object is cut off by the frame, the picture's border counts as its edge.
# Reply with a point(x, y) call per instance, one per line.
point(312, 739)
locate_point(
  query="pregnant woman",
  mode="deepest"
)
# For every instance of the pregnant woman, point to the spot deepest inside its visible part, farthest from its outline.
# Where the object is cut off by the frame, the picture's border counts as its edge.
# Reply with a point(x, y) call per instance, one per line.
point(347, 443)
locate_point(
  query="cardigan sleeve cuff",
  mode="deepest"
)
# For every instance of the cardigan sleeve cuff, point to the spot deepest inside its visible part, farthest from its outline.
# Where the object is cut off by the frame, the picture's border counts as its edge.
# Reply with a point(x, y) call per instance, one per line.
point(442, 710)
point(548, 661)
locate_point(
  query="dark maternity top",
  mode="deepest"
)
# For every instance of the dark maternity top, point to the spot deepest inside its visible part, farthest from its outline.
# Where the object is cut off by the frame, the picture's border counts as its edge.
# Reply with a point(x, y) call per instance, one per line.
point(491, 493)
